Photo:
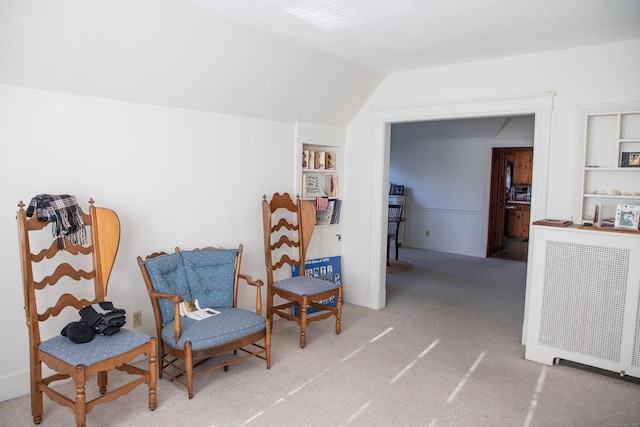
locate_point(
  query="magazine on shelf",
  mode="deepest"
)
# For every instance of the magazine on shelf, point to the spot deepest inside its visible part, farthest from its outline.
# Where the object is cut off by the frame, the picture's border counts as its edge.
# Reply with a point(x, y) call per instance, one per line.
point(323, 217)
point(192, 310)
point(330, 215)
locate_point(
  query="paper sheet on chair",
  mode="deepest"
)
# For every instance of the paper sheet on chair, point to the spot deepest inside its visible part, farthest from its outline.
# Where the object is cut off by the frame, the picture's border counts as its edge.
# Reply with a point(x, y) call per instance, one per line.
point(192, 309)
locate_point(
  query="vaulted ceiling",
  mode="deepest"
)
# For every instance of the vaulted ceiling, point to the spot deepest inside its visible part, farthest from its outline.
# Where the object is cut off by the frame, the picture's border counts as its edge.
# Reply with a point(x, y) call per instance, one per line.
point(289, 60)
point(400, 35)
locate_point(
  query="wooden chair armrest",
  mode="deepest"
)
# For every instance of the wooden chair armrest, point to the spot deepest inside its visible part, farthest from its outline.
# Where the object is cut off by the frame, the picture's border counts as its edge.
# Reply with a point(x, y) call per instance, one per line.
point(250, 280)
point(258, 284)
point(176, 300)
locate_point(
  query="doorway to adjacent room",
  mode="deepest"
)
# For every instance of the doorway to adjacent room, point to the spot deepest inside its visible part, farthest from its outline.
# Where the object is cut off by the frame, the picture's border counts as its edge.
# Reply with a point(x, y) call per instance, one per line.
point(510, 203)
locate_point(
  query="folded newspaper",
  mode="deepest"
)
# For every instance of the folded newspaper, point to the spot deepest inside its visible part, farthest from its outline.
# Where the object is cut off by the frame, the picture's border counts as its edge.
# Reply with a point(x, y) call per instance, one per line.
point(192, 309)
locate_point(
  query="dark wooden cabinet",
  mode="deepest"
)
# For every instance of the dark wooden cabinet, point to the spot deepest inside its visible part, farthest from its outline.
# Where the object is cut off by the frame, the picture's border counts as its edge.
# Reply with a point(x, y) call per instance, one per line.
point(522, 166)
point(518, 218)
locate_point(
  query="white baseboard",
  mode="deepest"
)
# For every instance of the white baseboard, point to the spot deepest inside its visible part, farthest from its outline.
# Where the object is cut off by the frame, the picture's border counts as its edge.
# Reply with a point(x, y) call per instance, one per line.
point(14, 385)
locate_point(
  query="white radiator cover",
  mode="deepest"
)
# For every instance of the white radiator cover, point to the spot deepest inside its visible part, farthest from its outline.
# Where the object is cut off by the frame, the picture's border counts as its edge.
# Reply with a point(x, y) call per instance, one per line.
point(583, 298)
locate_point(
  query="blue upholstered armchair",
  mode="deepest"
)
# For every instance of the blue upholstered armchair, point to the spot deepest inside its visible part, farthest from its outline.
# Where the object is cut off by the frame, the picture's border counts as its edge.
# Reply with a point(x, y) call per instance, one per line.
point(209, 276)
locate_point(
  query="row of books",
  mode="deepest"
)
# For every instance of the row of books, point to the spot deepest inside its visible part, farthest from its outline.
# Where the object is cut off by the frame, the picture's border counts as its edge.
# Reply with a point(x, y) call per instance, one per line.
point(318, 160)
point(331, 215)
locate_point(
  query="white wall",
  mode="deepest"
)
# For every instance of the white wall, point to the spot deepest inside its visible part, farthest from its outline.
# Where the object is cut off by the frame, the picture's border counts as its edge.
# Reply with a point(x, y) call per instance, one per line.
point(598, 74)
point(175, 178)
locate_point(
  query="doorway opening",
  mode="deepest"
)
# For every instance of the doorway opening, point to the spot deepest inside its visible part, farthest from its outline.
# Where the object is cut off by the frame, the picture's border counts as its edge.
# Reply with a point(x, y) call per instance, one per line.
point(510, 203)
point(539, 105)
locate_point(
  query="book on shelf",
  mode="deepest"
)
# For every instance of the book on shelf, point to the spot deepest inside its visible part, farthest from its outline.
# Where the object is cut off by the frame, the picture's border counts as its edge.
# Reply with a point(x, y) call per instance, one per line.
point(305, 159)
point(193, 310)
point(330, 160)
point(335, 218)
point(311, 159)
point(334, 187)
point(319, 160)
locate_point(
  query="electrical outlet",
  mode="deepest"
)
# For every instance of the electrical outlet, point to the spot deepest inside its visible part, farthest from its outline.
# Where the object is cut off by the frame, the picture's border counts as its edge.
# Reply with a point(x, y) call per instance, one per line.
point(137, 319)
point(426, 233)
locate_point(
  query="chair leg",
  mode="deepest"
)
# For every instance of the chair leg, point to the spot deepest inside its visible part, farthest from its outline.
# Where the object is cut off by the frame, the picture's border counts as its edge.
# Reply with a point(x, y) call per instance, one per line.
point(36, 393)
point(153, 373)
point(397, 246)
point(102, 381)
point(303, 321)
point(81, 398)
point(270, 307)
point(188, 367)
point(339, 311)
point(267, 343)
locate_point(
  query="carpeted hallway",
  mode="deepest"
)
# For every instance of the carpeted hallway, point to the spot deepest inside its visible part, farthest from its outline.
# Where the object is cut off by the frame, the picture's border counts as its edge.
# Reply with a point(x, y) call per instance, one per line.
point(445, 351)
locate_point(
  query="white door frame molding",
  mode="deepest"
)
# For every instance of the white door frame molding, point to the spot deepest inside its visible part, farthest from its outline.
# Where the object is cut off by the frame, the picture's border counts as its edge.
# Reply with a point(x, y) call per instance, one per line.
point(540, 104)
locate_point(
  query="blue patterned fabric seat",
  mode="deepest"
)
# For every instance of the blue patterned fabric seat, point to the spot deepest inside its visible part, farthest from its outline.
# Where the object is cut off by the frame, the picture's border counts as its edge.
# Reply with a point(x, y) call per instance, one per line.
point(99, 349)
point(231, 324)
point(211, 277)
point(304, 285)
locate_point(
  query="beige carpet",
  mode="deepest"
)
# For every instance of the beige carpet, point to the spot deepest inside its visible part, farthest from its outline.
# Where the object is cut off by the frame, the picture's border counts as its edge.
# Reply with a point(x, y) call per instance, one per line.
point(445, 351)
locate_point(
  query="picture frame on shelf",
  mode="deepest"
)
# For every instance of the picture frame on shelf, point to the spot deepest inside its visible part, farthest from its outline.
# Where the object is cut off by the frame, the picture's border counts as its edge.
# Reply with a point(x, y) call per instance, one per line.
point(630, 159)
point(597, 215)
point(396, 190)
point(627, 217)
point(313, 185)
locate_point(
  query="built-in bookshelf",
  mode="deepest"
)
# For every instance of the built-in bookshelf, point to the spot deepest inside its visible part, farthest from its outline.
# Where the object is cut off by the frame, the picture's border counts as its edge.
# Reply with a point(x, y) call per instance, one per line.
point(611, 174)
point(319, 167)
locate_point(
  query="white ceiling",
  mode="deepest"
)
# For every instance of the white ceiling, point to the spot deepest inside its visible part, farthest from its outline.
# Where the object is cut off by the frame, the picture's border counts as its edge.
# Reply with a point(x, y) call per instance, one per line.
point(401, 35)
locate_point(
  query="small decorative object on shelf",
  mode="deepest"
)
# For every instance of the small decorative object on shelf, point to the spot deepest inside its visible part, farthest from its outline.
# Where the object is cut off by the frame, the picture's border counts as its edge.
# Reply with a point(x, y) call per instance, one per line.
point(627, 217)
point(554, 222)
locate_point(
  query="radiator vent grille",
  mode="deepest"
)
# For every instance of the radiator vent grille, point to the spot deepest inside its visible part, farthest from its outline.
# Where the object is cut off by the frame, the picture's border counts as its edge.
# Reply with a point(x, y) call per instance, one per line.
point(584, 298)
point(636, 341)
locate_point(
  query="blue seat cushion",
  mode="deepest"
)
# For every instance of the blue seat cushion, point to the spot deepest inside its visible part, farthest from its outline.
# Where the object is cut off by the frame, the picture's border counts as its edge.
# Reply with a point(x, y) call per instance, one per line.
point(101, 348)
point(304, 285)
point(168, 276)
point(211, 275)
point(230, 325)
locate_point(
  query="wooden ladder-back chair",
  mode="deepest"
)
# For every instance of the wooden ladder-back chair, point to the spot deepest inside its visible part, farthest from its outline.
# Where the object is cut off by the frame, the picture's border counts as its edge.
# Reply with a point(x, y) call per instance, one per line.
point(288, 227)
point(68, 359)
point(393, 228)
point(210, 276)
